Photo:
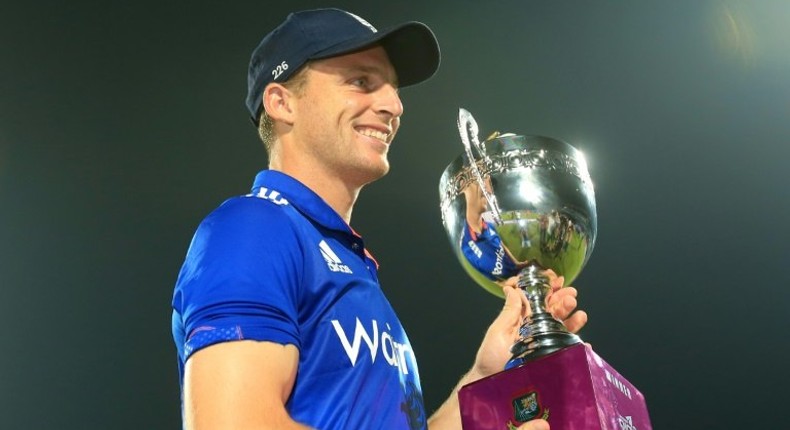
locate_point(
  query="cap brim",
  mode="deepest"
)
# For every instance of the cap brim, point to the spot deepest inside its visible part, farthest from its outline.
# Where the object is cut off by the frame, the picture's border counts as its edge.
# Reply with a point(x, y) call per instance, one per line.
point(412, 49)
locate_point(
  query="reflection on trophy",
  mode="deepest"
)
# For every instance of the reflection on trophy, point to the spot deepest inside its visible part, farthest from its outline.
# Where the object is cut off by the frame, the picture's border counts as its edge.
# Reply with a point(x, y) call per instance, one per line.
point(517, 206)
point(481, 245)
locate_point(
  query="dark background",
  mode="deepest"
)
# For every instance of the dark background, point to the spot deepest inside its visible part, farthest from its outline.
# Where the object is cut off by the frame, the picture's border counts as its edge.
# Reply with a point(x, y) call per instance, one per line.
point(122, 124)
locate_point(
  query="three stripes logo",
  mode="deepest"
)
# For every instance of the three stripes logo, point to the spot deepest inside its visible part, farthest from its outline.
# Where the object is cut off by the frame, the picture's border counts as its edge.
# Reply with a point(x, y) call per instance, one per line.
point(332, 260)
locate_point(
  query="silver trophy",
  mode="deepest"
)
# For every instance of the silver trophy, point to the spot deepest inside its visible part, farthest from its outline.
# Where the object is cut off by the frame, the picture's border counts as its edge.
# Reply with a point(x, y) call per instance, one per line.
point(519, 206)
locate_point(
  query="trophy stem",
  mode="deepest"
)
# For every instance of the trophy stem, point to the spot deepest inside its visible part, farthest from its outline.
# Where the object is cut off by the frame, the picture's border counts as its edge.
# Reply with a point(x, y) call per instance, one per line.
point(540, 334)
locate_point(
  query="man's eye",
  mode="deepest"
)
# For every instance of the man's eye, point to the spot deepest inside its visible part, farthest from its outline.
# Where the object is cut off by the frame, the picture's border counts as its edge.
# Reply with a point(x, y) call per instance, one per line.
point(360, 82)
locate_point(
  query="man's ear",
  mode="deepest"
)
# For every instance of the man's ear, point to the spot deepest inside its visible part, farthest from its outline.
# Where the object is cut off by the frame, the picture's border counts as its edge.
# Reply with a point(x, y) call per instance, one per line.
point(277, 101)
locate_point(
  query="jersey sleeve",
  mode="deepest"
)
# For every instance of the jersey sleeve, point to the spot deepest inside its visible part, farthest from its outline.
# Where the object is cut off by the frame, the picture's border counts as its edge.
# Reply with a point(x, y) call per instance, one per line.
point(240, 279)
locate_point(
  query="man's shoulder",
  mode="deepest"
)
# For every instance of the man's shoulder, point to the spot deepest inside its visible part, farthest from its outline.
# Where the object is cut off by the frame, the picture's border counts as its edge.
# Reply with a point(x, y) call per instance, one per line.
point(251, 207)
point(249, 215)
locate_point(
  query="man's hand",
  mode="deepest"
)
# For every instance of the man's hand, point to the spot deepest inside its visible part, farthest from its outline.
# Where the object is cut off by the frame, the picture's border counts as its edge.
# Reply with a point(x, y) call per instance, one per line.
point(561, 303)
point(494, 352)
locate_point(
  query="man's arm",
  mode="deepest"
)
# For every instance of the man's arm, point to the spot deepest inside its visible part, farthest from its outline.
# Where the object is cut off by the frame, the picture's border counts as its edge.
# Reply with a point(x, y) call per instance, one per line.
point(494, 351)
point(240, 385)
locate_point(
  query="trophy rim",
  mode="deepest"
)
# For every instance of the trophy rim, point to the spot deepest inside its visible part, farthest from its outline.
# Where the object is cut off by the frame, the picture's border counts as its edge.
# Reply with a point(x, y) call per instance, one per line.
point(450, 185)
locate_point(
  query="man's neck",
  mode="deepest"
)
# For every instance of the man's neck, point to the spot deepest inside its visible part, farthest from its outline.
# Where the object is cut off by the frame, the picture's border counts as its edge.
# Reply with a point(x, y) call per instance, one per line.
point(333, 190)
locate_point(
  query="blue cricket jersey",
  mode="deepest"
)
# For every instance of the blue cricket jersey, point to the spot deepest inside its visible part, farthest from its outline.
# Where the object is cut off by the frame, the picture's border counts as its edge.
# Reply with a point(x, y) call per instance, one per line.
point(280, 265)
point(485, 252)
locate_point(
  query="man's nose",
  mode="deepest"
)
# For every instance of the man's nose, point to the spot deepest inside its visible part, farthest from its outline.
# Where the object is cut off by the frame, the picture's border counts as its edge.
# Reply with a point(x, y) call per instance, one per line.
point(388, 101)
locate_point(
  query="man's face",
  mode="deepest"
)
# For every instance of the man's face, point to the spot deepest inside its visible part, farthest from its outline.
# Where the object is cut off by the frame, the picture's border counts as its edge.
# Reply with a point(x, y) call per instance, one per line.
point(348, 114)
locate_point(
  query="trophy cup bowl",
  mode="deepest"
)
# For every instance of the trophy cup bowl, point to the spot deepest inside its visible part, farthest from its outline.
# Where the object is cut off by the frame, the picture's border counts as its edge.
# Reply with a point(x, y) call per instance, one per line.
point(521, 206)
point(518, 207)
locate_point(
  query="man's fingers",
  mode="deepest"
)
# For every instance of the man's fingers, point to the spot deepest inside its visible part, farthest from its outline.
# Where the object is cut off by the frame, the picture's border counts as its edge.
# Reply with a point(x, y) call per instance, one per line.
point(557, 283)
point(566, 291)
point(562, 303)
point(509, 282)
point(576, 321)
point(514, 305)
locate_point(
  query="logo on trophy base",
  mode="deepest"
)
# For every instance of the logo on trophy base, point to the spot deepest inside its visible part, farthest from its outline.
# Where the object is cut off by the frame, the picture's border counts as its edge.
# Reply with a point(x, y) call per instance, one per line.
point(527, 407)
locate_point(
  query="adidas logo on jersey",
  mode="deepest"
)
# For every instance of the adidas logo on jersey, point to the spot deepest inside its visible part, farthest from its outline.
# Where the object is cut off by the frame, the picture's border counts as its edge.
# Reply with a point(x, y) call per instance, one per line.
point(332, 260)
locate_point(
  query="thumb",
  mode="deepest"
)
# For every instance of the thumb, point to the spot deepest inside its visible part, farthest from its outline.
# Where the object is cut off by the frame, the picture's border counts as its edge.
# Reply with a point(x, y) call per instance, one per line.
point(513, 302)
point(515, 306)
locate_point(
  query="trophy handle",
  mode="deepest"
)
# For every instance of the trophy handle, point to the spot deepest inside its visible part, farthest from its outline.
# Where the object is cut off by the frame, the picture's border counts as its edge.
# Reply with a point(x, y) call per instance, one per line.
point(467, 128)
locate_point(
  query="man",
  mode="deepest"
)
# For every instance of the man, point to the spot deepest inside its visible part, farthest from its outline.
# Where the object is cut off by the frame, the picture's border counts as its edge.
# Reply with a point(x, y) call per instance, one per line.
point(278, 316)
point(480, 244)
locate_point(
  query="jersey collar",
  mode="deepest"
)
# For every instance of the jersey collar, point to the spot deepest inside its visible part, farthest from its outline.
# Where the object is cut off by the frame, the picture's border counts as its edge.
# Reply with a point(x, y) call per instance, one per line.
point(302, 198)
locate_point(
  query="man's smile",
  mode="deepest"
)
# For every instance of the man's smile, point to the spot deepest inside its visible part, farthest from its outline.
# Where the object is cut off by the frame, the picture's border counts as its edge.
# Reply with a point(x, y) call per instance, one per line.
point(374, 133)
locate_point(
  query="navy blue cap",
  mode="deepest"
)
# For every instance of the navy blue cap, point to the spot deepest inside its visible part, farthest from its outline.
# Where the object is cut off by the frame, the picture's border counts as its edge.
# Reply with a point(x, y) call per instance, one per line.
point(411, 47)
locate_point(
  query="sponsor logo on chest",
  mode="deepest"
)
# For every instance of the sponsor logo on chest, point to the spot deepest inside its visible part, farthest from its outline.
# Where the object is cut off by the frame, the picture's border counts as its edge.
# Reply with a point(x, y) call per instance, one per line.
point(377, 338)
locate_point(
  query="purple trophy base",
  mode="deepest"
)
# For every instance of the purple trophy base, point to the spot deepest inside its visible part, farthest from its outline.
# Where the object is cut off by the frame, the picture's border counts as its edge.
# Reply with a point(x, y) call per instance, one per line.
point(573, 389)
